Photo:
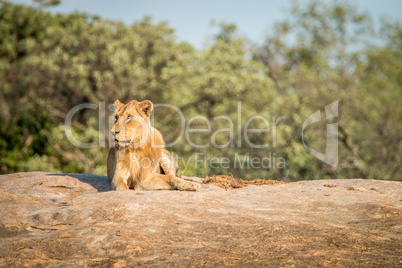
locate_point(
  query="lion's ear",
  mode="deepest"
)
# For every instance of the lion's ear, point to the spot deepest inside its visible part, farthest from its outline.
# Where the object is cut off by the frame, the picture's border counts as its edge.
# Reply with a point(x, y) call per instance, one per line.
point(146, 107)
point(117, 104)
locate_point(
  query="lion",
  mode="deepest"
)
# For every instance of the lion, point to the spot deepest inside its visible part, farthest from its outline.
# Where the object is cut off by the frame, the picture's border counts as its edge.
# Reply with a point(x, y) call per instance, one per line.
point(138, 160)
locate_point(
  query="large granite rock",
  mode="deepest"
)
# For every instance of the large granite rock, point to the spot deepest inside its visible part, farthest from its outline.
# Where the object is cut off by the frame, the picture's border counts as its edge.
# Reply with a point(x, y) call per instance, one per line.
point(66, 220)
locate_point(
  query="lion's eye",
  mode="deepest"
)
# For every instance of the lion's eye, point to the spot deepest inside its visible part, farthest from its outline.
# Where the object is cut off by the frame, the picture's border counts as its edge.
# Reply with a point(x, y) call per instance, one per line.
point(129, 117)
point(116, 118)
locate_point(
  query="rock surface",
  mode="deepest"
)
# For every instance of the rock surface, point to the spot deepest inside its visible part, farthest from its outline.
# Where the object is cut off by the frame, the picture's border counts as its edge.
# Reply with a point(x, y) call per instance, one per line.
point(66, 220)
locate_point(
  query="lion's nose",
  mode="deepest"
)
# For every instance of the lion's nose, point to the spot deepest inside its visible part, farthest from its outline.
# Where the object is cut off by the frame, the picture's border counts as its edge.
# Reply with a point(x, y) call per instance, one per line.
point(115, 132)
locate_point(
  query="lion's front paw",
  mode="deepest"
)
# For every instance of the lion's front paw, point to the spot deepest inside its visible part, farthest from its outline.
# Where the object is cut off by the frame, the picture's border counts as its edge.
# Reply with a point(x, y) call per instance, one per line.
point(119, 186)
point(189, 186)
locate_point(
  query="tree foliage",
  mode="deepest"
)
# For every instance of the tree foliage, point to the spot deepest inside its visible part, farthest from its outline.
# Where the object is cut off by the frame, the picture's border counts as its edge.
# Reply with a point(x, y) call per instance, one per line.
point(323, 53)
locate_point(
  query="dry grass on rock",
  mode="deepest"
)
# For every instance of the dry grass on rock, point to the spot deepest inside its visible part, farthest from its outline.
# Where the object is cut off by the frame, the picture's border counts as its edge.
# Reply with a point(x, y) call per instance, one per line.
point(228, 182)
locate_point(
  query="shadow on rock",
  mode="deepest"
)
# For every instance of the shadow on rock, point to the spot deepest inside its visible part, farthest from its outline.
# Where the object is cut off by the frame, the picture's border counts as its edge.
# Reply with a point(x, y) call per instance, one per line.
point(100, 183)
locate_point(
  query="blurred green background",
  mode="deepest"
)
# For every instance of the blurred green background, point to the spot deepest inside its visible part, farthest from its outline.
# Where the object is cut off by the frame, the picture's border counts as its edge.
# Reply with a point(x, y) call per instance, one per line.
point(322, 52)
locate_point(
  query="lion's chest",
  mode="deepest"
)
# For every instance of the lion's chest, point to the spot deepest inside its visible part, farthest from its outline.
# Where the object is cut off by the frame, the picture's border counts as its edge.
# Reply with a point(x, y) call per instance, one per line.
point(141, 167)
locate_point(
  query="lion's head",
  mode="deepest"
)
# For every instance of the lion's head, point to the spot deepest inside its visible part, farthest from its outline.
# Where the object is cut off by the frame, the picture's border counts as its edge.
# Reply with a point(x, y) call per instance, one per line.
point(132, 123)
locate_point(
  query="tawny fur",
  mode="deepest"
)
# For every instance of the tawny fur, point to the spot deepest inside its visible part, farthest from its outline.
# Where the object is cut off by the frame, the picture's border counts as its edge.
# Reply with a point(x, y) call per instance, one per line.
point(139, 159)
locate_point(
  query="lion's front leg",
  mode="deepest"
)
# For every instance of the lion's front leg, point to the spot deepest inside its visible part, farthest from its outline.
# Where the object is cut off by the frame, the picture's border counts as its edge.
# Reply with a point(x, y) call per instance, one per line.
point(183, 185)
point(119, 181)
point(153, 182)
point(119, 185)
point(170, 167)
point(168, 163)
point(166, 182)
point(117, 172)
